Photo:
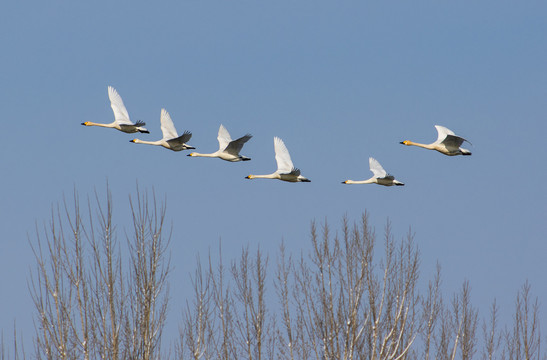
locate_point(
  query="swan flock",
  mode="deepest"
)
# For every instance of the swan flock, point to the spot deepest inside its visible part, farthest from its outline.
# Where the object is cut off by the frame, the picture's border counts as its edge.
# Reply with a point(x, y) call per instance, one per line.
point(447, 143)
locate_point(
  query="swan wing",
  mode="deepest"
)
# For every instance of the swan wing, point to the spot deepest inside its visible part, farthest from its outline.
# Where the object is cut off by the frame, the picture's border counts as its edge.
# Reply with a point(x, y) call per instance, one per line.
point(184, 138)
point(167, 127)
point(121, 116)
point(223, 138)
point(376, 168)
point(295, 172)
point(282, 156)
point(448, 138)
point(234, 147)
point(442, 133)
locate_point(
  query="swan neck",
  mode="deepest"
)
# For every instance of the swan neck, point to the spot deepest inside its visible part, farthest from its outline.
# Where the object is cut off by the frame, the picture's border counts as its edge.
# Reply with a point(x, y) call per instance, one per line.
point(425, 146)
point(369, 181)
point(138, 141)
point(204, 155)
point(268, 176)
point(89, 123)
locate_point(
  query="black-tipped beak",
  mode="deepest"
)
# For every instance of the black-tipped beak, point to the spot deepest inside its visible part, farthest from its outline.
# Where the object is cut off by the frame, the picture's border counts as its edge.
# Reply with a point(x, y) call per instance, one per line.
point(131, 140)
point(343, 182)
point(83, 123)
point(402, 143)
point(189, 155)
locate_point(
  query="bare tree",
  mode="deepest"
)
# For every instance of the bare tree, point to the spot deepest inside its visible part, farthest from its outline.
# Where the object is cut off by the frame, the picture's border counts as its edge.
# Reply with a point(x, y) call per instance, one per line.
point(491, 336)
point(523, 340)
point(88, 306)
point(250, 288)
point(349, 306)
point(347, 298)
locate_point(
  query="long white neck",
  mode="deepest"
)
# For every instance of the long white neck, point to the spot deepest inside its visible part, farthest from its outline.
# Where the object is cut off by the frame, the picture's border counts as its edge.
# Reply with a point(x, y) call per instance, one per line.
point(212, 155)
point(138, 141)
point(269, 176)
point(425, 146)
point(369, 181)
point(111, 125)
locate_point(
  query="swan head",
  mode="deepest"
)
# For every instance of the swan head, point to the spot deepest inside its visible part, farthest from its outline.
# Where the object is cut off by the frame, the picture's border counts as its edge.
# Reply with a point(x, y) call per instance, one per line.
point(406, 142)
point(249, 177)
point(345, 182)
point(191, 154)
point(85, 123)
point(133, 141)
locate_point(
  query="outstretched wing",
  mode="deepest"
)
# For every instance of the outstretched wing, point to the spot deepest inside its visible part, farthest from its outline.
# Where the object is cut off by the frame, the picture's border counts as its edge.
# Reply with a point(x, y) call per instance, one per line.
point(184, 138)
point(282, 157)
point(295, 172)
point(223, 138)
point(120, 112)
point(376, 168)
point(448, 138)
point(234, 147)
point(167, 127)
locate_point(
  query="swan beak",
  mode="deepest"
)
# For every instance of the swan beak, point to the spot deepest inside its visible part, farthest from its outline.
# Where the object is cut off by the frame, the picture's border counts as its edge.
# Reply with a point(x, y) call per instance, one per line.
point(344, 182)
point(84, 123)
point(191, 154)
point(249, 177)
point(404, 142)
point(132, 140)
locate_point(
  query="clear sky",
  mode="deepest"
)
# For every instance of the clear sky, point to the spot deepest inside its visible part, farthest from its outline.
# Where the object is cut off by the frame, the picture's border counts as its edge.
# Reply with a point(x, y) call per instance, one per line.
point(337, 81)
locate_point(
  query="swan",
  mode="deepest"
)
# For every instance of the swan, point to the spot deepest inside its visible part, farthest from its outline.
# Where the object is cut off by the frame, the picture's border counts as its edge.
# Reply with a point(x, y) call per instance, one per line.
point(121, 117)
point(381, 177)
point(171, 139)
point(228, 149)
point(285, 168)
point(447, 143)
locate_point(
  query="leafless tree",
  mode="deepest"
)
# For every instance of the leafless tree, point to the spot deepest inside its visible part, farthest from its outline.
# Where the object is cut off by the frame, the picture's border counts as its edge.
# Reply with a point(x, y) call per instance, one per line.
point(523, 340)
point(348, 298)
point(88, 304)
point(491, 335)
point(348, 305)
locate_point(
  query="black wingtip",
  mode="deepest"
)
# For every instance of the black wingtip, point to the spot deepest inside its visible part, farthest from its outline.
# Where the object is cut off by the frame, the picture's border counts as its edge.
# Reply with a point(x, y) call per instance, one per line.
point(246, 159)
point(400, 184)
point(144, 131)
point(190, 148)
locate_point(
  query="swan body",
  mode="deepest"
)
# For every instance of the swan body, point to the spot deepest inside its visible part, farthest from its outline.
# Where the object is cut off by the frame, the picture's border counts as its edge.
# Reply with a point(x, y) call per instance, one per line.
point(121, 117)
point(171, 139)
point(285, 168)
point(381, 177)
point(447, 143)
point(228, 149)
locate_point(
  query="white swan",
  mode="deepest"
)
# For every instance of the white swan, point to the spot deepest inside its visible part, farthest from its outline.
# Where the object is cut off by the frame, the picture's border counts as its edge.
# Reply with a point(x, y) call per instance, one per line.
point(228, 149)
point(381, 177)
point(171, 139)
point(285, 168)
point(121, 117)
point(447, 143)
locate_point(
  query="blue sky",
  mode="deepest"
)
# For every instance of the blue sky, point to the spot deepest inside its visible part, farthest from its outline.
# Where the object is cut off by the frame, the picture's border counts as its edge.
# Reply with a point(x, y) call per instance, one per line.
point(337, 82)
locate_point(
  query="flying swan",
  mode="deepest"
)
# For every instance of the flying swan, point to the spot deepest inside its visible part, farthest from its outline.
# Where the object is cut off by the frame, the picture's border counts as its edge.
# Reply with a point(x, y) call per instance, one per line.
point(228, 149)
point(381, 177)
point(447, 143)
point(285, 168)
point(171, 139)
point(121, 117)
